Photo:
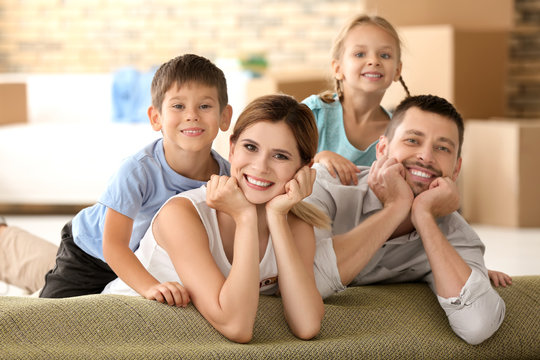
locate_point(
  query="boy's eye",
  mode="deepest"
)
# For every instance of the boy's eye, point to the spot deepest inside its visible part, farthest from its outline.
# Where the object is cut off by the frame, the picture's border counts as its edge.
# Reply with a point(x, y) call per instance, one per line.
point(205, 106)
point(386, 56)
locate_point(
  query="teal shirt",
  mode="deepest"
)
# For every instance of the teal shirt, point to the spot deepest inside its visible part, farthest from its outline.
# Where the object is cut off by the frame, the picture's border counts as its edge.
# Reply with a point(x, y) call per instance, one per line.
point(332, 136)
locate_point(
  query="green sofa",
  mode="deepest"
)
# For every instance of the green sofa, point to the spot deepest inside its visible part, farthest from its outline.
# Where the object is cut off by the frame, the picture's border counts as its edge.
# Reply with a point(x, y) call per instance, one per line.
point(370, 322)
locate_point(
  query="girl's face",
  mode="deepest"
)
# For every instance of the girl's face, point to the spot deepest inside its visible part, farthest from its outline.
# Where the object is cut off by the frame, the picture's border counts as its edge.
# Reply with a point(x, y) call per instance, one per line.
point(369, 61)
point(263, 159)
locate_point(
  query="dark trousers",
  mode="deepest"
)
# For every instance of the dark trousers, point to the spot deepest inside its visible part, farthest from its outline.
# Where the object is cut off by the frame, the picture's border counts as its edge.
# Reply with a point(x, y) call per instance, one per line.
point(75, 272)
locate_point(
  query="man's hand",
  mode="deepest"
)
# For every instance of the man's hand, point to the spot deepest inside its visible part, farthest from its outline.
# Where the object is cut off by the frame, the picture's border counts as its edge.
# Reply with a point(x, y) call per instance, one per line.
point(338, 165)
point(387, 180)
point(441, 199)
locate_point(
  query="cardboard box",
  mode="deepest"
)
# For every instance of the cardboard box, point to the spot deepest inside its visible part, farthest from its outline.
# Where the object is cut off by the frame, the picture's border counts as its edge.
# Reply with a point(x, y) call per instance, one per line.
point(463, 14)
point(500, 172)
point(451, 63)
point(13, 103)
point(298, 84)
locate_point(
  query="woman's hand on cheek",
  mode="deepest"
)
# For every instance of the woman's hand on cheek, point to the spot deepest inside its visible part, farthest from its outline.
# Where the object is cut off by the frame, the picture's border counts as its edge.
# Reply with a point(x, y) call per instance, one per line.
point(224, 194)
point(296, 190)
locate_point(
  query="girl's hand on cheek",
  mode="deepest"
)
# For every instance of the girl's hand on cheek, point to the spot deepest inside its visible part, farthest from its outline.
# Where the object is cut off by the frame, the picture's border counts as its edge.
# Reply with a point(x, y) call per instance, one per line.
point(224, 194)
point(296, 190)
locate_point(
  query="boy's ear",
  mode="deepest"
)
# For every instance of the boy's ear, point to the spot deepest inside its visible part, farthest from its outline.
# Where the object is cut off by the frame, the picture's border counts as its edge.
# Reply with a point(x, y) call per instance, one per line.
point(398, 71)
point(457, 169)
point(155, 118)
point(382, 146)
point(226, 116)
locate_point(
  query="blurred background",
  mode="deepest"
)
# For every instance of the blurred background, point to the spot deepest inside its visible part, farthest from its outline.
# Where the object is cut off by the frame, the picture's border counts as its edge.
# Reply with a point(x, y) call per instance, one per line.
point(75, 78)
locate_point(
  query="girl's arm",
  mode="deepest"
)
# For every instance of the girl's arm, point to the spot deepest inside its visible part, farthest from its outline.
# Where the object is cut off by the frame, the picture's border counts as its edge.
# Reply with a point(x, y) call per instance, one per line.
point(229, 304)
point(294, 246)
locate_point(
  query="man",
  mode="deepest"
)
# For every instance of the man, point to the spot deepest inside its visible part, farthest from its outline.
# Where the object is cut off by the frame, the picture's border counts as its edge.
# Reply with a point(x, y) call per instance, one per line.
point(399, 223)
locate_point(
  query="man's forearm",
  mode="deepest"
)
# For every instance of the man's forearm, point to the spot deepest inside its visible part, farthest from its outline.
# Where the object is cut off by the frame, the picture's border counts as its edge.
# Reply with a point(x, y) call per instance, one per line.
point(450, 271)
point(355, 248)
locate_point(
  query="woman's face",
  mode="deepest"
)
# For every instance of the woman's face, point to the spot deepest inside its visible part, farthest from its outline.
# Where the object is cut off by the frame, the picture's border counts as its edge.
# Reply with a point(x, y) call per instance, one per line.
point(263, 159)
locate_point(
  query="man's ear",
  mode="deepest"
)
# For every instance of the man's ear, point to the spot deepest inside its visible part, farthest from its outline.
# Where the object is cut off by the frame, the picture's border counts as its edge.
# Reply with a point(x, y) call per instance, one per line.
point(382, 146)
point(155, 118)
point(226, 116)
point(457, 169)
point(398, 71)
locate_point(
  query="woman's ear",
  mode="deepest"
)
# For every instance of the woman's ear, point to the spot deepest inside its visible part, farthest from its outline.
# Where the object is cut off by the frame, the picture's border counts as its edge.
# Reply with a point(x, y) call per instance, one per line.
point(155, 118)
point(231, 149)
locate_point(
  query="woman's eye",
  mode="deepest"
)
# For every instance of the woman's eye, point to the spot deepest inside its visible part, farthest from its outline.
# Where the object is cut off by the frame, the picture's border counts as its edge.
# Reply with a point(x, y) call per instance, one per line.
point(250, 147)
point(281, 157)
point(411, 141)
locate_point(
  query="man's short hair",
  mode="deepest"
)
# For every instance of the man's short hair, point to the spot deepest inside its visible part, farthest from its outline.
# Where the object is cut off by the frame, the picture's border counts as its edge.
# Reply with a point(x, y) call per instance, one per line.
point(187, 68)
point(428, 103)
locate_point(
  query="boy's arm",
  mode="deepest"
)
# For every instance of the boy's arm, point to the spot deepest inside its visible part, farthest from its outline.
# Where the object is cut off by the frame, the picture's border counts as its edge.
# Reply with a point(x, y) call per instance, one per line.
point(116, 235)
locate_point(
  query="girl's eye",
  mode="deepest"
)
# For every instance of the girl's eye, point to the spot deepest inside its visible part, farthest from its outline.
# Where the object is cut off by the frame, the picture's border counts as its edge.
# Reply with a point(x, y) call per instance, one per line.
point(360, 54)
point(178, 106)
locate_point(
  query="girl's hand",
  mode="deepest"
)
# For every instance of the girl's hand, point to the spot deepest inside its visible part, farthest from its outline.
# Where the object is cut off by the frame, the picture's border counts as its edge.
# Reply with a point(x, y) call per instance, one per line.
point(338, 165)
point(224, 194)
point(170, 292)
point(499, 278)
point(296, 190)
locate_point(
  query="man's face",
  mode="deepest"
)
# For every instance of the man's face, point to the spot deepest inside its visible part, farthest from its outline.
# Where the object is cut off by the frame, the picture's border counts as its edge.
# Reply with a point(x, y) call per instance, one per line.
point(427, 146)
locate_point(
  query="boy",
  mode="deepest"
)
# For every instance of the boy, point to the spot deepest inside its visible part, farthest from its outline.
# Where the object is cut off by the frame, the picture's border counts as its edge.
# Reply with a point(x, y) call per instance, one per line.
point(189, 106)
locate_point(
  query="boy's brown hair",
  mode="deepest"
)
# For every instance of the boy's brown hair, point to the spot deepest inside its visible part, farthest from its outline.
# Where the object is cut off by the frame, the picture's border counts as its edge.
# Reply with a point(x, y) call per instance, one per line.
point(187, 68)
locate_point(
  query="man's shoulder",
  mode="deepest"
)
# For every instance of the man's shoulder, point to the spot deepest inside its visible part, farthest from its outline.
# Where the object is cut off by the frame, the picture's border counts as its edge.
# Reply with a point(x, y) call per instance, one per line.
point(324, 175)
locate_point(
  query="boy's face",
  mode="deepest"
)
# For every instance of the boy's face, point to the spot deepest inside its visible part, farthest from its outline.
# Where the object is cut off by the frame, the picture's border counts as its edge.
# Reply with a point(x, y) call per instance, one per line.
point(426, 144)
point(190, 117)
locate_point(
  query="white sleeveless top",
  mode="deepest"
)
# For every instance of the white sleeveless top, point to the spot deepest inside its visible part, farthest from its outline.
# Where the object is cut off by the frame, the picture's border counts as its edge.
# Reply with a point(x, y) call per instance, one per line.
point(157, 262)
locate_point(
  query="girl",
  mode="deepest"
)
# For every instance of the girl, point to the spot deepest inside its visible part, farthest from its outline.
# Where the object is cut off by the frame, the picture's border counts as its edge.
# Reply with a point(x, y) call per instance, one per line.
point(221, 245)
point(366, 59)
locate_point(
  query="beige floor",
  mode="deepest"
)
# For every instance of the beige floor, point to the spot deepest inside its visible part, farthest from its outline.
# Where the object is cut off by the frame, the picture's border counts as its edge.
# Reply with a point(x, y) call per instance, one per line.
point(511, 250)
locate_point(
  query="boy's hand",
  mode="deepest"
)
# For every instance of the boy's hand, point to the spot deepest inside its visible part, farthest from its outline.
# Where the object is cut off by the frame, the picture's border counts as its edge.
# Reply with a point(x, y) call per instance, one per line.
point(224, 194)
point(296, 190)
point(170, 292)
point(338, 165)
point(387, 180)
point(499, 278)
point(441, 199)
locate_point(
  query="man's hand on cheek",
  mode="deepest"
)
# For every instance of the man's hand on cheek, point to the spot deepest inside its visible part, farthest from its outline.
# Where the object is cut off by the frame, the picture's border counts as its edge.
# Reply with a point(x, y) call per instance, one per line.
point(441, 199)
point(387, 180)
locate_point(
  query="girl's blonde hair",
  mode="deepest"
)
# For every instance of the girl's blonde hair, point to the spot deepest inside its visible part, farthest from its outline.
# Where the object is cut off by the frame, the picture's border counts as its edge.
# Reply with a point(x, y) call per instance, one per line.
point(299, 118)
point(337, 49)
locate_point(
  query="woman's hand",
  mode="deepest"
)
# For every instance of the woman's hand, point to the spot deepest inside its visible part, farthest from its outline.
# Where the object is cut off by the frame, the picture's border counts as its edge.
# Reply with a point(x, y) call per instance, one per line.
point(224, 194)
point(296, 190)
point(338, 165)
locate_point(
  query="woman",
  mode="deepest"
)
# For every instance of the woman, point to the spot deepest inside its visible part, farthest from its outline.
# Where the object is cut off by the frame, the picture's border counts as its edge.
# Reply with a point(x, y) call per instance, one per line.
point(221, 245)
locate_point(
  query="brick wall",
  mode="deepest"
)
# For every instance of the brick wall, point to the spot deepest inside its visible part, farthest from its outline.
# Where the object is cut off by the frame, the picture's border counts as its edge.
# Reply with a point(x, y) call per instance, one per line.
point(102, 35)
point(524, 72)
